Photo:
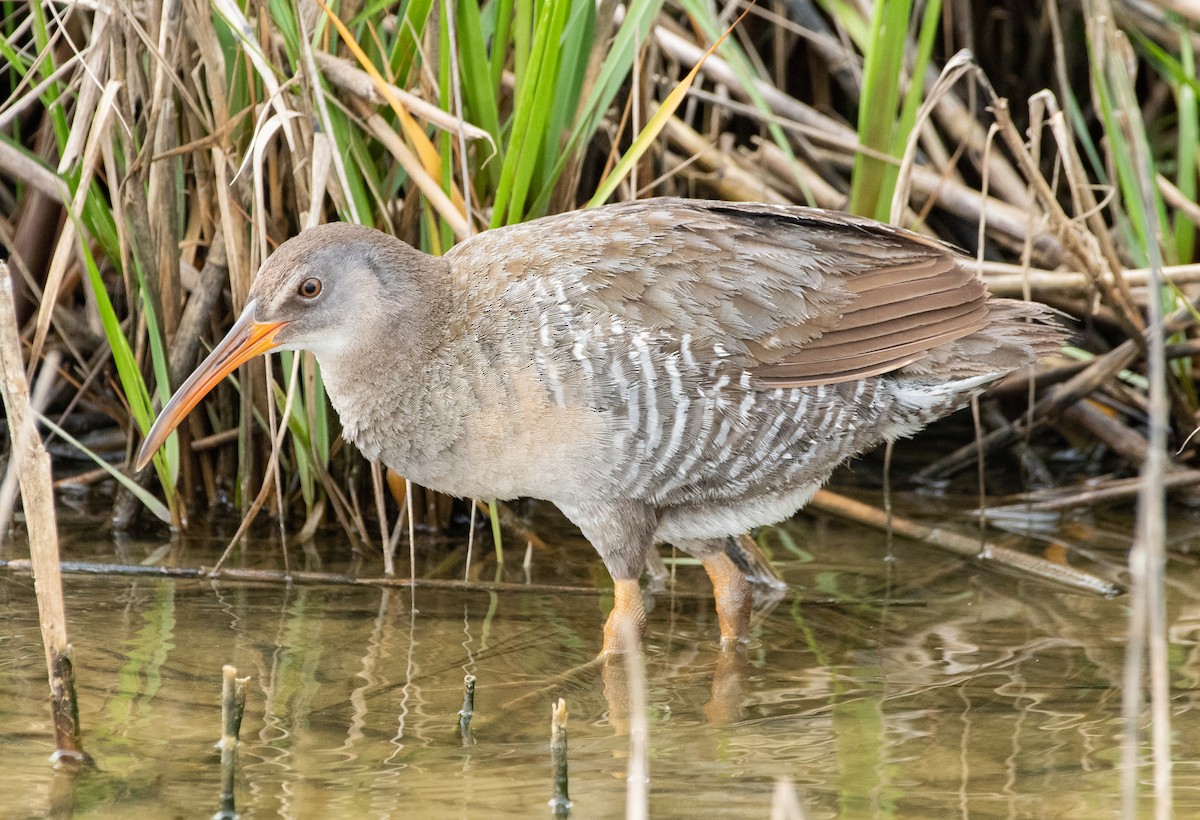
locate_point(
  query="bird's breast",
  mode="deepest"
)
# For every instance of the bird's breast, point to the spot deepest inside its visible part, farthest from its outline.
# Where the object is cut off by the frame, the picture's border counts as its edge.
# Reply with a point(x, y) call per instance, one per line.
point(472, 425)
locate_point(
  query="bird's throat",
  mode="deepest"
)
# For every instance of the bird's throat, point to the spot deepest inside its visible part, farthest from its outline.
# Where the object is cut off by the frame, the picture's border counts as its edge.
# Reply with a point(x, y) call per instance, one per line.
point(404, 411)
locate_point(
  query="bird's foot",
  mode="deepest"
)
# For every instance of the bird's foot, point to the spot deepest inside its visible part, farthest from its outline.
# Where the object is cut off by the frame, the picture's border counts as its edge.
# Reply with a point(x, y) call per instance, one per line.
point(734, 598)
point(625, 624)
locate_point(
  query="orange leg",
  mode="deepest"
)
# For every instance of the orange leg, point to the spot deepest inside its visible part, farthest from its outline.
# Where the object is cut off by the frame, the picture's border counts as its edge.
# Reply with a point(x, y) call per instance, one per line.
point(733, 596)
point(627, 619)
point(397, 485)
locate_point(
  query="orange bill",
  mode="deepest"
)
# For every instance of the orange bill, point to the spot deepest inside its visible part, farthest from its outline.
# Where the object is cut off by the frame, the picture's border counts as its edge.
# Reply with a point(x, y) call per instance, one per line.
point(245, 340)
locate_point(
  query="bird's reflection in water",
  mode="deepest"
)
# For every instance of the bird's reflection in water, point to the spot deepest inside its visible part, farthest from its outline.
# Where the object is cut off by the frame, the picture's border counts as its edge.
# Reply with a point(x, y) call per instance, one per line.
point(729, 680)
point(727, 665)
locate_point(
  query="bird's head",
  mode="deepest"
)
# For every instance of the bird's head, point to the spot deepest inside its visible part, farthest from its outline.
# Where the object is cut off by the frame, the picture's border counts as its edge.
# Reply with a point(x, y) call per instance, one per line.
point(333, 290)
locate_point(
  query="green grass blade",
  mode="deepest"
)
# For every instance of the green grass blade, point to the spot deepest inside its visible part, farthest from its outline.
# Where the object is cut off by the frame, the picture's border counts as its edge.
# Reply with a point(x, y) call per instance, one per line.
point(658, 121)
point(132, 384)
point(1187, 138)
point(613, 74)
point(479, 101)
point(747, 76)
point(502, 13)
point(882, 68)
point(534, 98)
point(155, 506)
point(574, 53)
point(912, 104)
point(497, 541)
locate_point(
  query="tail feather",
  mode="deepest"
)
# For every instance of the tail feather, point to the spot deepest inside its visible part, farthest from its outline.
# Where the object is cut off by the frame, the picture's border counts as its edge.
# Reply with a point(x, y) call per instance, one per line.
point(1016, 334)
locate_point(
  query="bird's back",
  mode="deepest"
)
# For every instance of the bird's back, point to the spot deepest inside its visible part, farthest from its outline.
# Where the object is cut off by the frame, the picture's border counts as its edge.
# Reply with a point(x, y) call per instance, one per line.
point(733, 352)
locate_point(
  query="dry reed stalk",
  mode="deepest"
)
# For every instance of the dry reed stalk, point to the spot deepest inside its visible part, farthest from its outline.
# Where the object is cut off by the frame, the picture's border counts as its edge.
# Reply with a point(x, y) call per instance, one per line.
point(32, 464)
point(66, 246)
point(1080, 246)
point(1122, 439)
point(729, 179)
point(718, 71)
point(429, 186)
point(770, 156)
point(386, 545)
point(785, 803)
point(20, 166)
point(962, 545)
point(637, 773)
point(274, 576)
point(350, 78)
point(1147, 648)
point(964, 128)
point(22, 439)
point(1178, 199)
point(1009, 280)
point(272, 472)
point(1006, 224)
point(960, 66)
point(1113, 490)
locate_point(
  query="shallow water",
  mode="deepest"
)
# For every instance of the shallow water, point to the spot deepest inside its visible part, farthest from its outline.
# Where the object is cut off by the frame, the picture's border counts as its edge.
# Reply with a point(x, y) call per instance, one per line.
point(911, 686)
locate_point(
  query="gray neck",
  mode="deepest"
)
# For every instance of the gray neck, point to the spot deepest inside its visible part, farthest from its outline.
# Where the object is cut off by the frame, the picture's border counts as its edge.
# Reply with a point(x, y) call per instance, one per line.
point(405, 414)
point(394, 390)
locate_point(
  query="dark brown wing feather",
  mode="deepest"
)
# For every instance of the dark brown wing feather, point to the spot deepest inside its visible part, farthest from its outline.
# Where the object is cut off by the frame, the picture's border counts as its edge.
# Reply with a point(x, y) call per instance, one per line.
point(896, 315)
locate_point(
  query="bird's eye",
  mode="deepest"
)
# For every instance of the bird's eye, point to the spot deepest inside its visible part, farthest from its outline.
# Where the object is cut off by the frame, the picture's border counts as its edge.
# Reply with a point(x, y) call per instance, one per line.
point(310, 288)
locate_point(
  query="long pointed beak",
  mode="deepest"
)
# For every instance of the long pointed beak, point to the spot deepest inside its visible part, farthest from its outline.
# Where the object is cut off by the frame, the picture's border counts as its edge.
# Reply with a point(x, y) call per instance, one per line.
point(245, 340)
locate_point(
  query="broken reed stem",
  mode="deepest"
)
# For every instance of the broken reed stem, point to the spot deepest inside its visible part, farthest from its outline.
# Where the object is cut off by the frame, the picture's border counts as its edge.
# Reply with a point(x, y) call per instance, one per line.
point(962, 545)
point(233, 706)
point(467, 711)
point(560, 799)
point(32, 463)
